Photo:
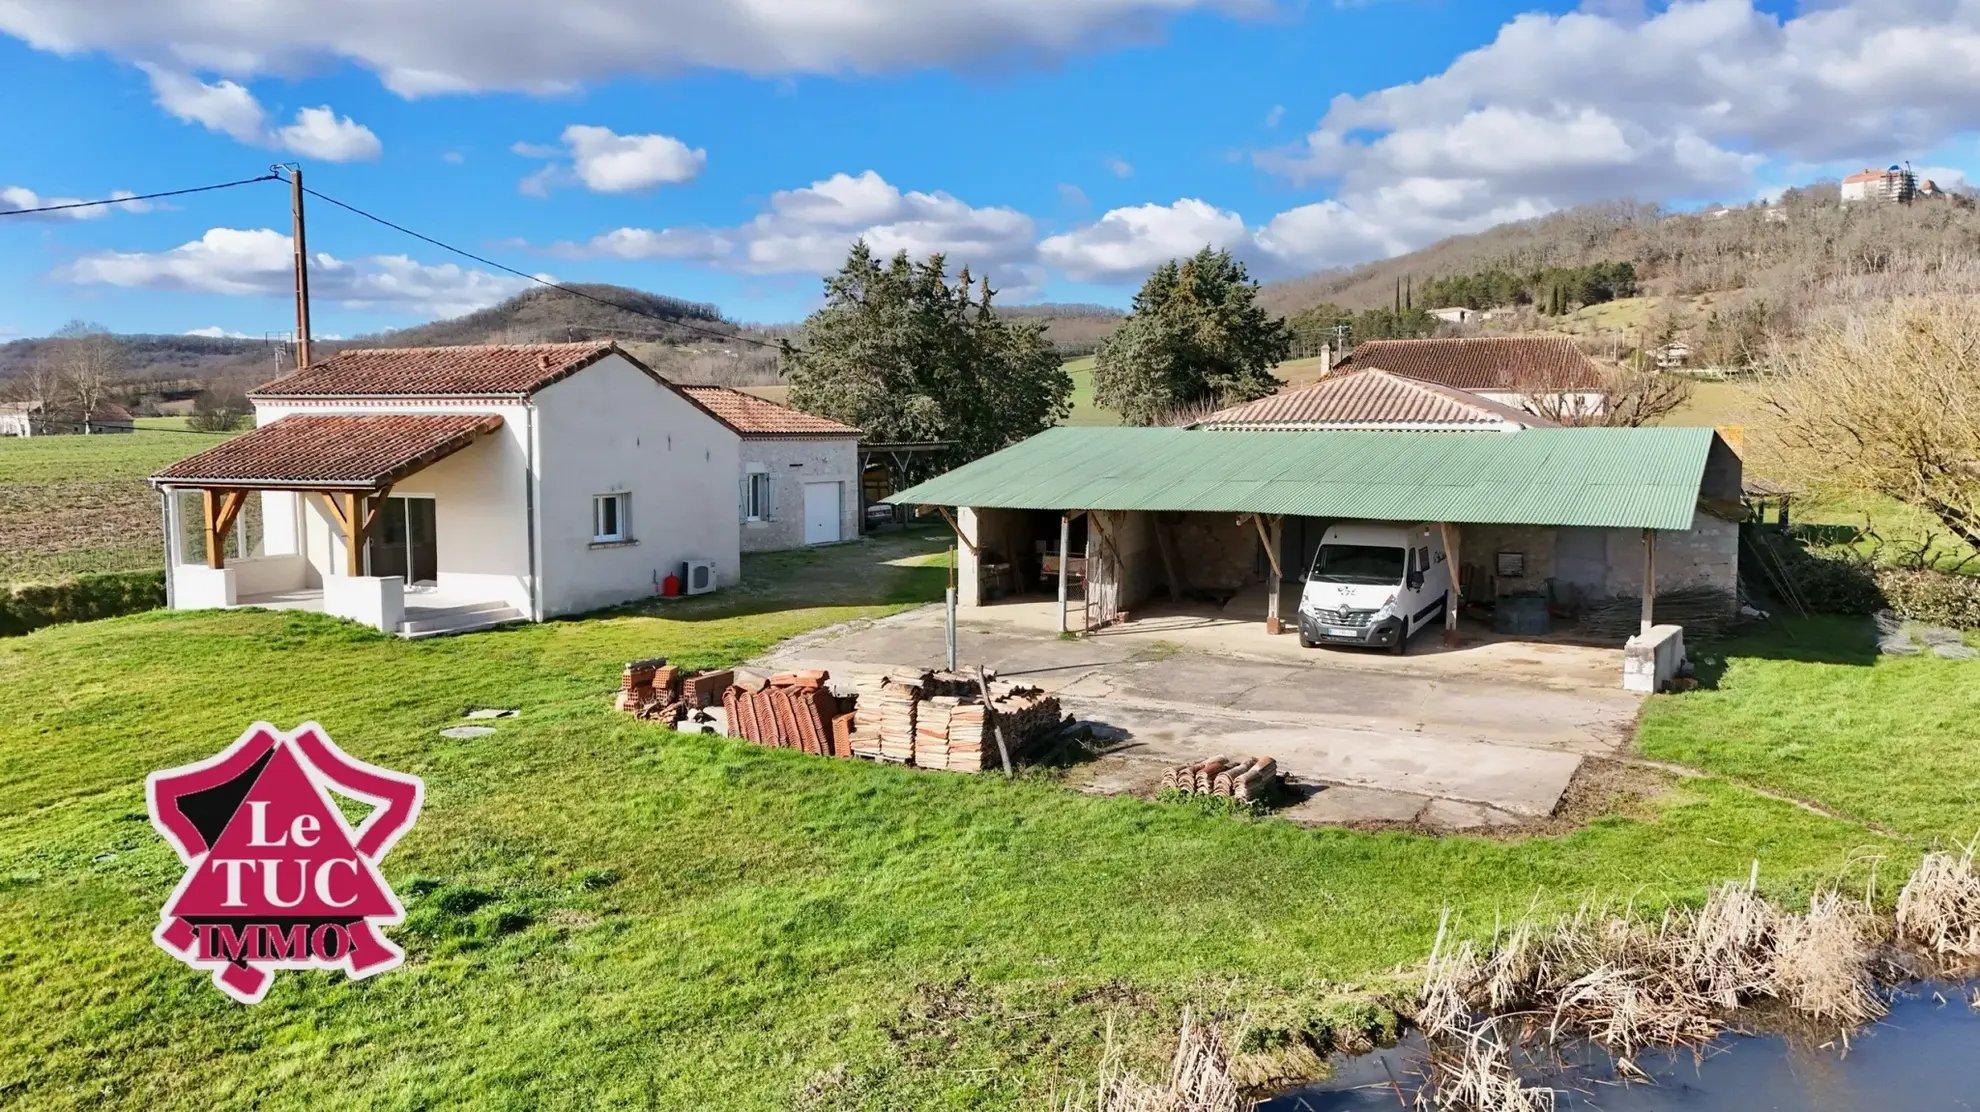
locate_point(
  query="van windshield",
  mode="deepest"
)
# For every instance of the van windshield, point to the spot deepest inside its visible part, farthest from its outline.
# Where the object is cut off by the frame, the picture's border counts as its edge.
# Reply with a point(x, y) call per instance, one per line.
point(1358, 563)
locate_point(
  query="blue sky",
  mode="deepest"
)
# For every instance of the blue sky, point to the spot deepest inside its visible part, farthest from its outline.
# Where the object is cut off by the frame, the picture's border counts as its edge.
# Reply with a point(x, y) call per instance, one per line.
point(730, 152)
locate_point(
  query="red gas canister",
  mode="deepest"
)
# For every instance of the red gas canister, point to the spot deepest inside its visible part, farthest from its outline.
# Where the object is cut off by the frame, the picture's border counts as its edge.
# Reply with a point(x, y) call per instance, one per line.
point(671, 586)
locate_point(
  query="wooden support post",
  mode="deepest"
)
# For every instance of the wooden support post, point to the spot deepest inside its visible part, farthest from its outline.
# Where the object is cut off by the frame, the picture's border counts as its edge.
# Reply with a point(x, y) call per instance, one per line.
point(1277, 584)
point(966, 542)
point(1455, 597)
point(353, 535)
point(216, 553)
point(1065, 558)
point(1649, 580)
point(222, 508)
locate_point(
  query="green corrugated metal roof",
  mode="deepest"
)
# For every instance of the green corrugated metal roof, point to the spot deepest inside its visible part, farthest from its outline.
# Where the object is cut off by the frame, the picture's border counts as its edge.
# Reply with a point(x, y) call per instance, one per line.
point(1611, 478)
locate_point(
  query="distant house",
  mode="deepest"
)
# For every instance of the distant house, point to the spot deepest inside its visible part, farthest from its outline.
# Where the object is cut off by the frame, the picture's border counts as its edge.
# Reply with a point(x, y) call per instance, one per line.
point(1675, 354)
point(17, 418)
point(35, 419)
point(1456, 314)
point(1526, 372)
point(1893, 185)
point(1372, 400)
point(799, 483)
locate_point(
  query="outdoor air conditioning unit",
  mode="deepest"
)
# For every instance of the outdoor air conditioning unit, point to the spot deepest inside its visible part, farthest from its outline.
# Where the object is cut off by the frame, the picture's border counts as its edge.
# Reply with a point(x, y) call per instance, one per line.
point(697, 577)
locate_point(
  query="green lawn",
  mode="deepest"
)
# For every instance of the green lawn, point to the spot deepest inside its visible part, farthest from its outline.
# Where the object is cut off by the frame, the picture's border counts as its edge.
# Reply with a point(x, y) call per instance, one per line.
point(680, 922)
point(71, 504)
point(1816, 714)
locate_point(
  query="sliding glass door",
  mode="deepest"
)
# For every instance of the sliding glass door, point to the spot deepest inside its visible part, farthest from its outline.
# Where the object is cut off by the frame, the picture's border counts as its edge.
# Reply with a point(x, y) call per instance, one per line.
point(405, 541)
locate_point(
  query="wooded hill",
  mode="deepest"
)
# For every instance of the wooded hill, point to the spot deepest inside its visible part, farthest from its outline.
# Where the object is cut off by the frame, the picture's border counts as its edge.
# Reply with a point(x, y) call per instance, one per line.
point(1799, 257)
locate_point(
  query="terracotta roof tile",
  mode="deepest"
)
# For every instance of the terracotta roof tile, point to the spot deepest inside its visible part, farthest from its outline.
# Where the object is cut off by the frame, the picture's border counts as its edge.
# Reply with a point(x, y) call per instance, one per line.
point(1482, 362)
point(342, 451)
point(1366, 399)
point(482, 370)
point(760, 418)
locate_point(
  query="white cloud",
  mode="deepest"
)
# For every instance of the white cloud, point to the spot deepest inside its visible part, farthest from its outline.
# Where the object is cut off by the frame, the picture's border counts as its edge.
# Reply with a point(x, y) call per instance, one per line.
point(215, 332)
point(808, 231)
point(1690, 100)
point(16, 197)
point(1120, 167)
point(607, 162)
point(322, 134)
point(231, 109)
point(1277, 113)
point(1126, 243)
point(524, 44)
point(240, 262)
point(223, 106)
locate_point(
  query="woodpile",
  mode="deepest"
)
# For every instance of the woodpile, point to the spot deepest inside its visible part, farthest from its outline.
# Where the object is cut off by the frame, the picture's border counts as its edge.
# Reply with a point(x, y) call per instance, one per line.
point(1247, 780)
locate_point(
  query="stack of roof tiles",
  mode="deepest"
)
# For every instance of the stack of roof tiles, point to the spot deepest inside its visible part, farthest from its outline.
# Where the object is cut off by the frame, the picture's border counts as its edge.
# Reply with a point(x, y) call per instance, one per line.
point(791, 711)
point(900, 705)
point(931, 731)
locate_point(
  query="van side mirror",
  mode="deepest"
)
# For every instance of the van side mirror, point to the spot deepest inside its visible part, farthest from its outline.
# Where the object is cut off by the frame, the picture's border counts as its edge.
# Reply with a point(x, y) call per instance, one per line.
point(1415, 581)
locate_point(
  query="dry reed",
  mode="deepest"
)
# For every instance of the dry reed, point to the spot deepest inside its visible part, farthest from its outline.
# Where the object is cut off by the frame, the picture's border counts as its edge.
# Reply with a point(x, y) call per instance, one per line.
point(1199, 1079)
point(1479, 1077)
point(1822, 962)
point(1939, 908)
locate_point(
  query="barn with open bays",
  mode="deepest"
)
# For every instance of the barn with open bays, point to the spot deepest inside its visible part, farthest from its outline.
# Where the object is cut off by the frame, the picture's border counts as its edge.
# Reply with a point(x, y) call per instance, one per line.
point(1113, 520)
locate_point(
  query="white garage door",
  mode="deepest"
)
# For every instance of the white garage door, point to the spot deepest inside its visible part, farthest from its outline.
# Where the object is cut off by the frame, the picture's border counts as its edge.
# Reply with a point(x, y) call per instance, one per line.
point(821, 513)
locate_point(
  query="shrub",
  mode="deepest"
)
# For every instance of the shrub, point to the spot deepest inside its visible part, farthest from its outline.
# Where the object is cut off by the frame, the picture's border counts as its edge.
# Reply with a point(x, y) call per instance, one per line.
point(84, 598)
point(1932, 596)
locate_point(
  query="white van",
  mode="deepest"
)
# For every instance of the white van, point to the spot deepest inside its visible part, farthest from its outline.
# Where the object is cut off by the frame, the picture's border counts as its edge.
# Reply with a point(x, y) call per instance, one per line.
point(1374, 584)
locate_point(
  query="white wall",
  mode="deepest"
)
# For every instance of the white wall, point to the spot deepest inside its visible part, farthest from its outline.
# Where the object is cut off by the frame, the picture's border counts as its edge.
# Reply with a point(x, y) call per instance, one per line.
point(480, 503)
point(609, 429)
point(795, 463)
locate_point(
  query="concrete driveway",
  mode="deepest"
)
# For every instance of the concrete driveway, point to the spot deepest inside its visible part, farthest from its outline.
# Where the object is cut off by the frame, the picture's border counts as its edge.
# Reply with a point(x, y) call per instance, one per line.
point(1489, 734)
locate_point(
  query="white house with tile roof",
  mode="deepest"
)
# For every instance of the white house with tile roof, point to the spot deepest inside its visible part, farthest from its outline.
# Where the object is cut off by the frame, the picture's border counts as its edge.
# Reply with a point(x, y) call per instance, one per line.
point(429, 490)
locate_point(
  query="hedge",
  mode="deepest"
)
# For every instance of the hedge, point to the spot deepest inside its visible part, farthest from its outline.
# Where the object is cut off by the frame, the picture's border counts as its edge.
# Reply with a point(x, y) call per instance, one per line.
point(1844, 584)
point(84, 598)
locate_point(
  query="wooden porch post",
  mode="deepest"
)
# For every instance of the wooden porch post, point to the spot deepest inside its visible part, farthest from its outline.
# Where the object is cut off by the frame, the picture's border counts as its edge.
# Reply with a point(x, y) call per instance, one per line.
point(1270, 539)
point(1649, 580)
point(1456, 594)
point(353, 535)
point(222, 507)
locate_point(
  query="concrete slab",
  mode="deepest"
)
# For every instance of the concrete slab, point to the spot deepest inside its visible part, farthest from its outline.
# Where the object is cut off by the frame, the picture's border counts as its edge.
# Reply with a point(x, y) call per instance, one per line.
point(1503, 727)
point(1508, 777)
point(1451, 815)
point(1338, 804)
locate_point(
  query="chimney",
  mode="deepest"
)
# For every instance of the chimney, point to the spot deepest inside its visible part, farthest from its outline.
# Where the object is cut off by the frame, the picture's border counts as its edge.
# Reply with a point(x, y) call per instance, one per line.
point(1326, 358)
point(543, 360)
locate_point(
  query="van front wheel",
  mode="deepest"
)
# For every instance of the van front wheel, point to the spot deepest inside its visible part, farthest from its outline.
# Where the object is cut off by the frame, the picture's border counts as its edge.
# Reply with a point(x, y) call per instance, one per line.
point(1402, 640)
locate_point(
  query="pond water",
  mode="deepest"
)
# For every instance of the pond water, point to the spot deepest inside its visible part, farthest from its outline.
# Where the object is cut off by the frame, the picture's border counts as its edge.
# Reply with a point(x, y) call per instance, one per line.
point(1923, 1057)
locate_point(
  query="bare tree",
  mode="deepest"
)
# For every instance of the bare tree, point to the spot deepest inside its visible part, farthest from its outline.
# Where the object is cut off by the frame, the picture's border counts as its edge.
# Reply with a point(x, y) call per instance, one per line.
point(39, 383)
point(1628, 397)
point(84, 356)
point(1885, 399)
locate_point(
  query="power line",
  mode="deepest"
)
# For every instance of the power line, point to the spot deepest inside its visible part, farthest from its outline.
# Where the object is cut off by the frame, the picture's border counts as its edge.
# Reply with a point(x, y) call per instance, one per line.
point(669, 321)
point(139, 197)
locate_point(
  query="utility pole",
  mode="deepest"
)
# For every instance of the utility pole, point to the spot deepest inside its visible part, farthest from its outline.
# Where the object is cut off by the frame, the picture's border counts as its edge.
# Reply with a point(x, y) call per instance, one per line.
point(302, 262)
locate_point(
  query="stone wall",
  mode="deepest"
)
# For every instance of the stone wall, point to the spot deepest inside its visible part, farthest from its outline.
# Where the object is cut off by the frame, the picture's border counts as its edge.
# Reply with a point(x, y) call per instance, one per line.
point(1589, 565)
point(791, 464)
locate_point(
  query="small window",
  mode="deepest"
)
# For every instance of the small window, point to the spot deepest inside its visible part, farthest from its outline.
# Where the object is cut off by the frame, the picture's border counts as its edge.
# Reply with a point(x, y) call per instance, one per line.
point(758, 503)
point(611, 519)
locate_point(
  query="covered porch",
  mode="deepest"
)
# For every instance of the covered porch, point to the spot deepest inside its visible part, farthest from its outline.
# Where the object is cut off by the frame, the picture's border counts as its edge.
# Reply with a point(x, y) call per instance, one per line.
point(313, 512)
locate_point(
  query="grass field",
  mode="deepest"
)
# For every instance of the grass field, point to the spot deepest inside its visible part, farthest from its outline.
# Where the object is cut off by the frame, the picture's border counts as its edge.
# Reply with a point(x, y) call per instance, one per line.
point(1296, 372)
point(72, 504)
point(603, 914)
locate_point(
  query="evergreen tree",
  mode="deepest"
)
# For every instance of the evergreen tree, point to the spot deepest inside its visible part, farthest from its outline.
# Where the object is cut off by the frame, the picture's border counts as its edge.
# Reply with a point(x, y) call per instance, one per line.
point(1197, 334)
point(905, 355)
